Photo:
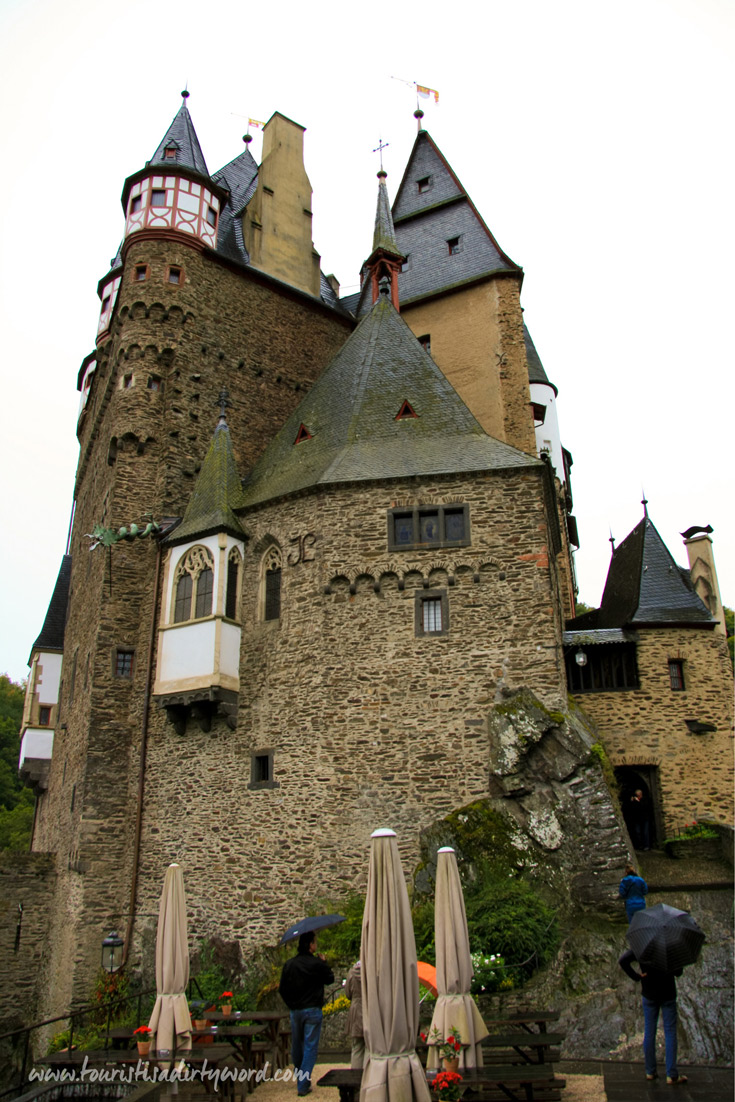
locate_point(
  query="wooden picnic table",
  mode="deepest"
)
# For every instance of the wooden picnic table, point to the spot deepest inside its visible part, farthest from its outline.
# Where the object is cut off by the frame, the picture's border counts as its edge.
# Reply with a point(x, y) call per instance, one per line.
point(519, 1083)
point(268, 1022)
point(526, 1018)
point(532, 1048)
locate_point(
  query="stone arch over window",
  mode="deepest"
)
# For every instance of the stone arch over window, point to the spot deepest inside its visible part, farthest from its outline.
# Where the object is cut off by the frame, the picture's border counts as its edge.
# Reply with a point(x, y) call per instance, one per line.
point(234, 579)
point(271, 582)
point(193, 586)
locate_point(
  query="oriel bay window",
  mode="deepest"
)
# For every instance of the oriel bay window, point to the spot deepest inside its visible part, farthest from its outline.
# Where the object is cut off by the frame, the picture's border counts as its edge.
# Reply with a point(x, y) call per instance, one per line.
point(193, 586)
point(428, 526)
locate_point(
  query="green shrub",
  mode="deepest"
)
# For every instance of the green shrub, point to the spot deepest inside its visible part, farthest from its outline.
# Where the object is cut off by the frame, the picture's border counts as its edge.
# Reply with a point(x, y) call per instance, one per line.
point(509, 919)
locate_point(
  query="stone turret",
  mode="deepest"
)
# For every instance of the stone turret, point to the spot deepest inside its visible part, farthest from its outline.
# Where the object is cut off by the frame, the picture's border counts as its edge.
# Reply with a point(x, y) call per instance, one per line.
point(703, 573)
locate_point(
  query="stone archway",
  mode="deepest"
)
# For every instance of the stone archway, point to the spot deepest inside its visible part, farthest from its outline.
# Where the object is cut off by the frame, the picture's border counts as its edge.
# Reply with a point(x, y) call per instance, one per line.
point(646, 778)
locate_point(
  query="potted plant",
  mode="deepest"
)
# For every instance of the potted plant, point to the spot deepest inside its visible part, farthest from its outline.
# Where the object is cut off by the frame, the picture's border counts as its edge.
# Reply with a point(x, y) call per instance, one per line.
point(445, 1085)
point(448, 1049)
point(143, 1038)
point(226, 1002)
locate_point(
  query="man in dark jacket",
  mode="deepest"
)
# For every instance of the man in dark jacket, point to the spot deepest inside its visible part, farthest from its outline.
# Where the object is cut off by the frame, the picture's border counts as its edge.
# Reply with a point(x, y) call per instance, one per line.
point(658, 990)
point(302, 989)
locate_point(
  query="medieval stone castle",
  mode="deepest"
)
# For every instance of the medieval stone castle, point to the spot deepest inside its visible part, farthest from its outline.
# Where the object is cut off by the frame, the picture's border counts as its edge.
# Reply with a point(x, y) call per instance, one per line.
point(347, 537)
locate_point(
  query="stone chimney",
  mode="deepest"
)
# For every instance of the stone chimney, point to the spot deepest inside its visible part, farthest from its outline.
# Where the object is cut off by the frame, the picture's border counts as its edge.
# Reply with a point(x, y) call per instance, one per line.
point(704, 576)
point(276, 224)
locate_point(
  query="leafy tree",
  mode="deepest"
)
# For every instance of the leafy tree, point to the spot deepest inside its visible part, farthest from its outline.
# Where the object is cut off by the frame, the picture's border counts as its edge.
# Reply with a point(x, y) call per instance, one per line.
point(16, 801)
point(580, 607)
point(730, 625)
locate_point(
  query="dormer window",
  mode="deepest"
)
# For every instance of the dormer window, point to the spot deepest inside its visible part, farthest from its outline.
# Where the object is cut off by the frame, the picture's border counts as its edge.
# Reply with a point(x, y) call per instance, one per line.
point(158, 197)
point(169, 153)
point(406, 263)
point(136, 203)
point(453, 245)
point(424, 184)
point(212, 216)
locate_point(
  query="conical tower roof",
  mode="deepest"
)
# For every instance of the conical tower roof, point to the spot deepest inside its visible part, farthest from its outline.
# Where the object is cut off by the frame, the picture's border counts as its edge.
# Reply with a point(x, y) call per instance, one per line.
point(645, 587)
point(217, 487)
point(52, 633)
point(384, 236)
point(182, 136)
point(382, 409)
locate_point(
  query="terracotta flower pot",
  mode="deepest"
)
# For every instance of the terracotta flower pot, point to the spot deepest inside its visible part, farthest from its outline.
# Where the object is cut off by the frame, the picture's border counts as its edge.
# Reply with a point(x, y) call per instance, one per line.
point(450, 1063)
point(143, 1048)
point(226, 1008)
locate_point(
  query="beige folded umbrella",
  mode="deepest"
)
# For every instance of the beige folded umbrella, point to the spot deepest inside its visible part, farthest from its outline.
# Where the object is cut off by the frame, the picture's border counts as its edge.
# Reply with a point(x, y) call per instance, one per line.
point(390, 984)
point(170, 1022)
point(455, 1008)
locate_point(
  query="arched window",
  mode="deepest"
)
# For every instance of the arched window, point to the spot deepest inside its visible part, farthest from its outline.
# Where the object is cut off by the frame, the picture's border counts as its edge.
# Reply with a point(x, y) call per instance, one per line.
point(194, 578)
point(233, 582)
point(272, 584)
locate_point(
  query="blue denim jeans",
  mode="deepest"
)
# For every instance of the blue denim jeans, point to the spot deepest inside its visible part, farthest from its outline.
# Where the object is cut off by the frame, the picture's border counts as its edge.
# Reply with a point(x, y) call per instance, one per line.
point(306, 1026)
point(650, 1018)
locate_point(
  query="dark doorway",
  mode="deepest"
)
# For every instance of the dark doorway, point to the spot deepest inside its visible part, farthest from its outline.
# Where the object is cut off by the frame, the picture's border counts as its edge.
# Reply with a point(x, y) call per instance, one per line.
point(644, 821)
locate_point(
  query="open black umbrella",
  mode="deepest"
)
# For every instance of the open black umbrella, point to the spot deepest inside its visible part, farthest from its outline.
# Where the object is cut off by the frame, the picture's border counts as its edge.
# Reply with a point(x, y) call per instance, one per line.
point(664, 938)
point(320, 922)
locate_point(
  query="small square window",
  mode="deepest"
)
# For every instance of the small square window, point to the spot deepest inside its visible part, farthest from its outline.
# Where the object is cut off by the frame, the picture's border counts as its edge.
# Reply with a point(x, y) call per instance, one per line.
point(261, 770)
point(155, 382)
point(403, 529)
point(212, 216)
point(141, 273)
point(424, 184)
point(158, 197)
point(539, 413)
point(136, 203)
point(44, 716)
point(127, 382)
point(453, 245)
point(676, 675)
point(169, 153)
point(174, 275)
point(105, 304)
point(124, 663)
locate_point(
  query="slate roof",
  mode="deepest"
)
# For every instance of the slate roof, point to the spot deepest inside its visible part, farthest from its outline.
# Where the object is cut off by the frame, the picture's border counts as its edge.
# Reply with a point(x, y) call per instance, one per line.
point(182, 135)
point(384, 235)
point(350, 414)
point(645, 587)
point(425, 220)
point(536, 372)
point(217, 486)
point(52, 632)
point(240, 177)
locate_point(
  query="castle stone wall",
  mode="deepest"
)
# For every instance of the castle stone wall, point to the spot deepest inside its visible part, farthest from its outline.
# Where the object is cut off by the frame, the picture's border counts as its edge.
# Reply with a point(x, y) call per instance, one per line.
point(27, 881)
point(647, 726)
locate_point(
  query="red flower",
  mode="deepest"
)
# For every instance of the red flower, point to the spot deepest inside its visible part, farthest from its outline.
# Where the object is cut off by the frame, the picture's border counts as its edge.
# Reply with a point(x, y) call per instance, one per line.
point(423, 1036)
point(450, 1039)
point(226, 995)
point(142, 1029)
point(457, 1046)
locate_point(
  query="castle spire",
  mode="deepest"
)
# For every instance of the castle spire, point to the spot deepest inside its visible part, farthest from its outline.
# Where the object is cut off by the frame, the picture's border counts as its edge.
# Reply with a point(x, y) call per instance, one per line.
point(180, 144)
point(217, 488)
point(386, 259)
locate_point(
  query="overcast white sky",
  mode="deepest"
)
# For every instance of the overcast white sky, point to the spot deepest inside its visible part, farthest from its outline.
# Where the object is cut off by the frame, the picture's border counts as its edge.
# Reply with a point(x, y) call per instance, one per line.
point(595, 139)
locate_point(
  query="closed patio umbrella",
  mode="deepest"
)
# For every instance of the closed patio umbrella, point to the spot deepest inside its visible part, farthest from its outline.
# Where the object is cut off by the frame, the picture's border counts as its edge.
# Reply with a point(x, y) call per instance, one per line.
point(170, 1022)
point(390, 985)
point(455, 1010)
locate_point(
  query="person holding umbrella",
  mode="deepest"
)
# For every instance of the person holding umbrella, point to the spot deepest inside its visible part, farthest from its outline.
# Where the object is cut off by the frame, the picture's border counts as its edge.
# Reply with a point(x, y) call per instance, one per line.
point(302, 989)
point(663, 940)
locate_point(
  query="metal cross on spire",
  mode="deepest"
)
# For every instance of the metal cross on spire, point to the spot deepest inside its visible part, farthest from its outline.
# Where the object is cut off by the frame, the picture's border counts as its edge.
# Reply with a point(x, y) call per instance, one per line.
point(379, 149)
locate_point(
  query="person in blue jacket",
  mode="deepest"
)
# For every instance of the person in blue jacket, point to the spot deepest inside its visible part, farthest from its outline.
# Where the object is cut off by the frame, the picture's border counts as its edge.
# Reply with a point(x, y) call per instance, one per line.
point(633, 890)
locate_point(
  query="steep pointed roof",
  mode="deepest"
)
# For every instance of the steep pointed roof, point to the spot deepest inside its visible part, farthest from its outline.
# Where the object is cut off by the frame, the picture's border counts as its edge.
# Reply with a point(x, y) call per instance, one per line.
point(384, 236)
point(217, 487)
point(52, 632)
point(431, 208)
point(645, 587)
point(240, 178)
point(182, 135)
point(351, 416)
point(536, 370)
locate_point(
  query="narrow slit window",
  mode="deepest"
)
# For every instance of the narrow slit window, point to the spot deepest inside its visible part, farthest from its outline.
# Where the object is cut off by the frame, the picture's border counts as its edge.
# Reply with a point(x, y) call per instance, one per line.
point(182, 607)
point(204, 594)
point(233, 577)
point(212, 216)
point(273, 593)
point(676, 675)
point(44, 716)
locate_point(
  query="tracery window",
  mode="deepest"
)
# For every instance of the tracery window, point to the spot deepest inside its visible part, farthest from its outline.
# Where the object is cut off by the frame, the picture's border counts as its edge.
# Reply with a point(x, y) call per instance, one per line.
point(272, 583)
point(233, 585)
point(194, 584)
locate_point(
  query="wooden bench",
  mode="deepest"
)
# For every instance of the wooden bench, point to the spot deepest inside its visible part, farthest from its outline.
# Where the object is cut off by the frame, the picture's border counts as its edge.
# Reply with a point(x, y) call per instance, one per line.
point(519, 1083)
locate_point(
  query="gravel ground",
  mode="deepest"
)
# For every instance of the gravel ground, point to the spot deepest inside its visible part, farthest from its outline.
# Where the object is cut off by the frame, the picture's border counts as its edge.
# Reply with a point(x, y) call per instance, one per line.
point(579, 1088)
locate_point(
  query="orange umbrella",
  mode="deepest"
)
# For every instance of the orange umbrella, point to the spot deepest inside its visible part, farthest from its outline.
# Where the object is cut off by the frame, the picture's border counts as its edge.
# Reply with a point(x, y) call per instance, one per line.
point(427, 976)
